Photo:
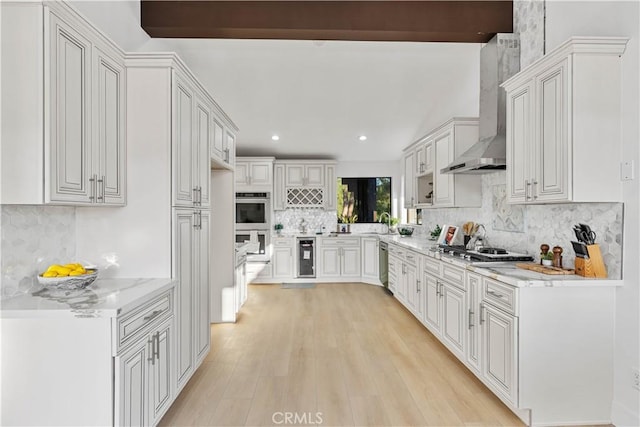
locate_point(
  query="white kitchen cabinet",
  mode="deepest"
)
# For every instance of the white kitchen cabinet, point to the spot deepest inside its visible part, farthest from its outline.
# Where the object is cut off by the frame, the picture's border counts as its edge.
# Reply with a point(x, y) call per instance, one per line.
point(474, 331)
point(331, 183)
point(254, 173)
point(370, 260)
point(500, 356)
point(305, 175)
point(241, 282)
point(230, 146)
point(279, 196)
point(395, 267)
point(191, 266)
point(283, 258)
point(424, 157)
point(454, 316)
point(433, 306)
point(413, 286)
point(339, 258)
point(556, 122)
point(409, 179)
point(143, 378)
point(201, 141)
point(63, 142)
point(218, 142)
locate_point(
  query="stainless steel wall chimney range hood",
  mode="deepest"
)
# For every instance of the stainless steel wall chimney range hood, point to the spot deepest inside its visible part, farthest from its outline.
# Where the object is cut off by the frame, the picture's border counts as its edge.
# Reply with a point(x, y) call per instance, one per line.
point(499, 60)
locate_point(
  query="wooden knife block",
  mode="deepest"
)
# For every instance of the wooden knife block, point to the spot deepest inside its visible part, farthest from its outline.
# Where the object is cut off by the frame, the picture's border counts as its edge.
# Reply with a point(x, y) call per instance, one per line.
point(592, 267)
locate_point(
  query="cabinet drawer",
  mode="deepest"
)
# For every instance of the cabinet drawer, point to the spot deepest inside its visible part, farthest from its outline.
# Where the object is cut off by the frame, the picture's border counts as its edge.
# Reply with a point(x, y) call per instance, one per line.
point(339, 241)
point(411, 257)
point(500, 295)
point(453, 274)
point(139, 320)
point(397, 251)
point(282, 242)
point(432, 266)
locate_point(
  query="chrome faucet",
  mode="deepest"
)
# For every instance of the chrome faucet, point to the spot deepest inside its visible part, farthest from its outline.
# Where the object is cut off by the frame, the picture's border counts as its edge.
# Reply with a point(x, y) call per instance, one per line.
point(388, 221)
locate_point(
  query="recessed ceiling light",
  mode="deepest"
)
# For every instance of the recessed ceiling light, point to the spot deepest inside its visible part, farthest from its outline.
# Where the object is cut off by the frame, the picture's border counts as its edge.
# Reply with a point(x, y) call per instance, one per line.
point(362, 138)
point(275, 137)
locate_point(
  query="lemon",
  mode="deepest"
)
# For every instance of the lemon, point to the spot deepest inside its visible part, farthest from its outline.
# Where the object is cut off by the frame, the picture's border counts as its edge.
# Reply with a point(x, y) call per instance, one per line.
point(53, 267)
point(49, 274)
point(76, 273)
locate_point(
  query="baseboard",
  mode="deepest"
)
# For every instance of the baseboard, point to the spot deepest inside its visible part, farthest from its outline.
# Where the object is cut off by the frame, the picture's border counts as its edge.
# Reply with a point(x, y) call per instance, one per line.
point(622, 416)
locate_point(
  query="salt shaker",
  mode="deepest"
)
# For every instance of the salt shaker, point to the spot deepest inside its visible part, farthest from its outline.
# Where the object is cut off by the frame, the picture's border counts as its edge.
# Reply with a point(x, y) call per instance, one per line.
point(557, 256)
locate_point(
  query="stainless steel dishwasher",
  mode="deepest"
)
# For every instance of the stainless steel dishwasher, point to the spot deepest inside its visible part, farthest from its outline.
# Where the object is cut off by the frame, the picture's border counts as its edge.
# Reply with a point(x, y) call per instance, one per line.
point(306, 257)
point(383, 264)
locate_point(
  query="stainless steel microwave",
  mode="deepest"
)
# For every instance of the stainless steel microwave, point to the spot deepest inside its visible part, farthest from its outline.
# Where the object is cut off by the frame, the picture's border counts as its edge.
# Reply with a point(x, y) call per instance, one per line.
point(253, 211)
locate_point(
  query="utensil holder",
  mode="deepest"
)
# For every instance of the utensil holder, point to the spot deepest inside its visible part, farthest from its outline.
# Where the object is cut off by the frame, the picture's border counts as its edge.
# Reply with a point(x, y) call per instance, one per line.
point(593, 266)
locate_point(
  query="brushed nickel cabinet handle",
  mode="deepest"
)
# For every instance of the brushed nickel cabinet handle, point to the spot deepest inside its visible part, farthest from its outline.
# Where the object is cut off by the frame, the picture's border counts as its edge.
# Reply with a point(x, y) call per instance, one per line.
point(156, 352)
point(495, 294)
point(92, 190)
point(100, 189)
point(481, 314)
point(470, 318)
point(150, 343)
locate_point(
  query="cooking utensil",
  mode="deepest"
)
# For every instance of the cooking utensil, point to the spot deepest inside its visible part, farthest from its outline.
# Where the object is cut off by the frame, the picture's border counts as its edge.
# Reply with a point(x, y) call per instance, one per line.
point(580, 249)
point(587, 236)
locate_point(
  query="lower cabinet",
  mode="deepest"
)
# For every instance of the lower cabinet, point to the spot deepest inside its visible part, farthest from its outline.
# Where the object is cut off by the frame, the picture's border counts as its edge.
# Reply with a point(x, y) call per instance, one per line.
point(283, 258)
point(474, 335)
point(338, 258)
point(370, 260)
point(143, 378)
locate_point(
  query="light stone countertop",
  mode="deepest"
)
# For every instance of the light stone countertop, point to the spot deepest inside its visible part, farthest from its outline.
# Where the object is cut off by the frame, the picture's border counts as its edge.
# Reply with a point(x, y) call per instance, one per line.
point(505, 272)
point(103, 298)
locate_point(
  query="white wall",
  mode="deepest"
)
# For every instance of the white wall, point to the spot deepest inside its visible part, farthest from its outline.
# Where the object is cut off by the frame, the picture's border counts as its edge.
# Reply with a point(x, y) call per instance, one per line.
point(620, 18)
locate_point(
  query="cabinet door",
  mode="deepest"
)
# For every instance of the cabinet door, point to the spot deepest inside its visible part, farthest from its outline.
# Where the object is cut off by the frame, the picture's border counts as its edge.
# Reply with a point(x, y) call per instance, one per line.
point(519, 118)
point(500, 351)
point(160, 396)
point(432, 308)
point(109, 132)
point(409, 178)
point(419, 161)
point(202, 255)
point(184, 272)
point(183, 146)
point(314, 175)
point(350, 263)
point(370, 258)
point(443, 183)
point(131, 384)
point(330, 199)
point(295, 175)
point(474, 333)
point(279, 198)
point(454, 317)
point(69, 149)
point(241, 174)
point(420, 301)
point(261, 173)
point(202, 172)
point(283, 262)
point(329, 261)
point(230, 147)
point(552, 149)
point(217, 143)
point(411, 277)
point(428, 157)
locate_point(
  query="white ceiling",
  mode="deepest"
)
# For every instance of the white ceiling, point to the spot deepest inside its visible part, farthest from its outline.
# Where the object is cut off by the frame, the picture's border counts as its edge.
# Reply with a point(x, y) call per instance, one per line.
point(320, 96)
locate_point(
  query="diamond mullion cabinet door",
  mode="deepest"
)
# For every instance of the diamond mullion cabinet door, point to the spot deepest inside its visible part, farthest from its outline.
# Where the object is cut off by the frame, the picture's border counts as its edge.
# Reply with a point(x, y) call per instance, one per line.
point(108, 124)
point(132, 385)
point(185, 267)
point(183, 143)
point(409, 180)
point(201, 286)
point(474, 333)
point(500, 357)
point(519, 139)
point(202, 160)
point(69, 148)
point(160, 391)
point(550, 182)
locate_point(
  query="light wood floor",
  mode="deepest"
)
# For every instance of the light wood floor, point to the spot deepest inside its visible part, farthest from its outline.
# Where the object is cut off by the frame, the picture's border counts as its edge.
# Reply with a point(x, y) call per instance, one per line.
point(349, 352)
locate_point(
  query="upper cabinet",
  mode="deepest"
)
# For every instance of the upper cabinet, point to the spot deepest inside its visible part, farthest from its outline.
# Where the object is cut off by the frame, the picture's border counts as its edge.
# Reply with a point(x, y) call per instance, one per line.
point(559, 125)
point(63, 142)
point(254, 174)
point(304, 184)
point(425, 186)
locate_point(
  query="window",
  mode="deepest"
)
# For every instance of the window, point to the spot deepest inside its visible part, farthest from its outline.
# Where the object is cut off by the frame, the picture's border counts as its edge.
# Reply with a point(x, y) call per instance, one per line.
point(363, 200)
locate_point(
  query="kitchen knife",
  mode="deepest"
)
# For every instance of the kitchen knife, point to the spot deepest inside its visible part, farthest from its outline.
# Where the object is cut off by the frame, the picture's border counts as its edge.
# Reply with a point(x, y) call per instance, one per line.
point(580, 249)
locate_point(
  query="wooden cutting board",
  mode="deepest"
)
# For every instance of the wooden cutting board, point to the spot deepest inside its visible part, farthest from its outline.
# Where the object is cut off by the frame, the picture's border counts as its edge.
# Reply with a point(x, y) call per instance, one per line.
point(544, 269)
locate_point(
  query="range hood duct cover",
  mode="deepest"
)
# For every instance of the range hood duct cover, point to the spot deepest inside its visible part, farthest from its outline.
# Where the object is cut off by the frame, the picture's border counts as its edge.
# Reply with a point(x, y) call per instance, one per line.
point(499, 60)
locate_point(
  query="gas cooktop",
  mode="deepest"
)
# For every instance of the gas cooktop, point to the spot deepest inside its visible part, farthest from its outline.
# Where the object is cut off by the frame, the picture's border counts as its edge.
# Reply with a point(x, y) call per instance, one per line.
point(484, 254)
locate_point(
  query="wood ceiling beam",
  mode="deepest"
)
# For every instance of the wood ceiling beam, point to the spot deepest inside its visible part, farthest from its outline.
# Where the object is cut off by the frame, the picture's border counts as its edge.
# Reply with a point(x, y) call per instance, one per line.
point(382, 20)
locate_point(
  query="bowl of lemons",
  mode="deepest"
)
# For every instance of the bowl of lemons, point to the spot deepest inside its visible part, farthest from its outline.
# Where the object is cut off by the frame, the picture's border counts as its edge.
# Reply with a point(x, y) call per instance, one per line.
point(67, 276)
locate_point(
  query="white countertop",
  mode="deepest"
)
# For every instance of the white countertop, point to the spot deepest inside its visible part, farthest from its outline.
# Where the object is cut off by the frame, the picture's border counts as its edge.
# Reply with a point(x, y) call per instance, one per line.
point(505, 272)
point(103, 298)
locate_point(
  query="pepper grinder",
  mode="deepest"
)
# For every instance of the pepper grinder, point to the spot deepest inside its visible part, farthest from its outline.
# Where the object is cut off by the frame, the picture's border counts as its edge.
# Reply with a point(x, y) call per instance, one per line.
point(557, 256)
point(544, 249)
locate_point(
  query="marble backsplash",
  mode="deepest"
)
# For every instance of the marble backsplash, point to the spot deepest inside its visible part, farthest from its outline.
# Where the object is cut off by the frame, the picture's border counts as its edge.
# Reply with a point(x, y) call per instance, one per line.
point(528, 24)
point(315, 219)
point(32, 238)
point(522, 228)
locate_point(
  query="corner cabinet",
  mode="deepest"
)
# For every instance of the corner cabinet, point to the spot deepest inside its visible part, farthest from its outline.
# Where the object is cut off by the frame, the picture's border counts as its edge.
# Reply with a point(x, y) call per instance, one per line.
point(424, 185)
point(64, 141)
point(558, 122)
